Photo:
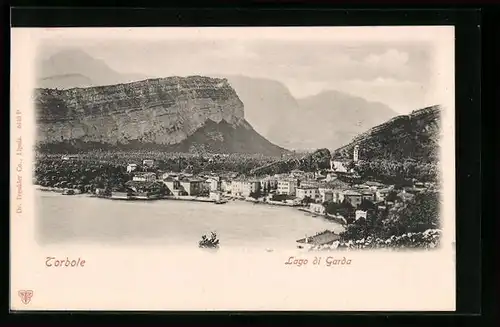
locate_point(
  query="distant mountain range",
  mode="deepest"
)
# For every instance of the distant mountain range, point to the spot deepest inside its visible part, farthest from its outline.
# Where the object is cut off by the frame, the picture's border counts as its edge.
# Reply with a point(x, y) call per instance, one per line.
point(75, 68)
point(326, 120)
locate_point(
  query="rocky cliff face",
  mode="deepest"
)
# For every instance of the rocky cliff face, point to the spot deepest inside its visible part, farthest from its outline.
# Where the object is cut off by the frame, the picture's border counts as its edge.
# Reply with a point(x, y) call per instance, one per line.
point(156, 111)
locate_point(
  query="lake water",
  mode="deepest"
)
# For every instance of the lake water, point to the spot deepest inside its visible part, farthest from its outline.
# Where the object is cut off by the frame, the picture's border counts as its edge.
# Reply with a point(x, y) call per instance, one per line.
point(83, 219)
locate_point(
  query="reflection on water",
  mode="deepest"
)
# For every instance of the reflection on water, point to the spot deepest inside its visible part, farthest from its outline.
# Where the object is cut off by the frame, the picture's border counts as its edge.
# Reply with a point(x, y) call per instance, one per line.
point(80, 218)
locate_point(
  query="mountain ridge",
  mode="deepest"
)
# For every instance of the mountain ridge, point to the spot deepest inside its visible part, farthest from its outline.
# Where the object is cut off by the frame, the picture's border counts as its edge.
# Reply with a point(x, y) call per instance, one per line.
point(71, 61)
point(156, 113)
point(294, 122)
point(414, 136)
point(328, 119)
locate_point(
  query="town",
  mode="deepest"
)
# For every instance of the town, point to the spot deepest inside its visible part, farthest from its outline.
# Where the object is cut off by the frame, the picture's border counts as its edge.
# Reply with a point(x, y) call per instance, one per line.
point(336, 193)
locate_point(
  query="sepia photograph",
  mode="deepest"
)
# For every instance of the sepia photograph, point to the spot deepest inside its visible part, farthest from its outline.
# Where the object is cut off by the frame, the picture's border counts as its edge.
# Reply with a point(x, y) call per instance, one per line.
point(302, 154)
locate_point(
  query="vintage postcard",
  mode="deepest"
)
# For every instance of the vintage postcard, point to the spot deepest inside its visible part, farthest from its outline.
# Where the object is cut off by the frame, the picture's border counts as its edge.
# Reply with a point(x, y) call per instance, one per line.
point(283, 168)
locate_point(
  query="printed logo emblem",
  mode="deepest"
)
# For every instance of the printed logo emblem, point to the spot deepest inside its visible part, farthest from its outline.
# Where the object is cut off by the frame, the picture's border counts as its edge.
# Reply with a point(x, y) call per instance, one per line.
point(25, 296)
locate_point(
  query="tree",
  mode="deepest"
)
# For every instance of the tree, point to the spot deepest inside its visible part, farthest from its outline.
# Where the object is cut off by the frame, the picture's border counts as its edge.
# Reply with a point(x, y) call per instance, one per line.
point(332, 207)
point(306, 200)
point(278, 197)
point(392, 196)
point(359, 229)
point(257, 194)
point(367, 205)
point(422, 213)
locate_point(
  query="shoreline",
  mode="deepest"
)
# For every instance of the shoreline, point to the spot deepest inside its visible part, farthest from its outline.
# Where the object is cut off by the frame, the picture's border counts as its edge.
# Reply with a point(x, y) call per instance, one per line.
point(326, 216)
point(197, 199)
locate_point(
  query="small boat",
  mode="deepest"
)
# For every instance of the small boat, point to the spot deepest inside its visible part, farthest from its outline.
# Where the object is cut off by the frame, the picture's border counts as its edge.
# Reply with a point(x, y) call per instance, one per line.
point(315, 216)
point(220, 202)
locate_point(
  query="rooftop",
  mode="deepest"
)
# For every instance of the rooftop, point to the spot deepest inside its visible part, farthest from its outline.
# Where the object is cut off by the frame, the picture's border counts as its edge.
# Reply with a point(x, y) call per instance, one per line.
point(351, 192)
point(144, 174)
point(140, 184)
point(369, 183)
point(325, 237)
point(307, 188)
point(191, 180)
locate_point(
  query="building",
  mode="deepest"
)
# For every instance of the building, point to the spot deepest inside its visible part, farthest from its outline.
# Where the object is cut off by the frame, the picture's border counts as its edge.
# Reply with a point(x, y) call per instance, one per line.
point(148, 189)
point(327, 196)
point(268, 183)
point(353, 197)
point(360, 214)
point(213, 183)
point(338, 196)
point(191, 186)
point(303, 192)
point(148, 163)
point(225, 186)
point(69, 157)
point(293, 202)
point(131, 168)
point(237, 187)
point(381, 195)
point(326, 237)
point(309, 183)
point(144, 177)
point(338, 166)
point(327, 193)
point(121, 195)
point(368, 195)
point(242, 187)
point(287, 186)
point(215, 195)
point(174, 186)
point(251, 187)
point(330, 177)
point(170, 174)
point(355, 156)
point(374, 185)
point(317, 208)
point(297, 173)
point(405, 196)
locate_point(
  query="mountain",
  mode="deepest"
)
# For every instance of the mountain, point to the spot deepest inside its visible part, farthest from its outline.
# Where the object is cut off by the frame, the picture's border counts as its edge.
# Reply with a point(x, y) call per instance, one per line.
point(340, 117)
point(414, 136)
point(326, 120)
point(169, 114)
point(223, 137)
point(269, 107)
point(75, 68)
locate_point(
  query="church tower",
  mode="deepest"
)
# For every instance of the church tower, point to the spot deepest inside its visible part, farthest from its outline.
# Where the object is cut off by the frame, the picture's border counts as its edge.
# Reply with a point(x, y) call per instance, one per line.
point(356, 153)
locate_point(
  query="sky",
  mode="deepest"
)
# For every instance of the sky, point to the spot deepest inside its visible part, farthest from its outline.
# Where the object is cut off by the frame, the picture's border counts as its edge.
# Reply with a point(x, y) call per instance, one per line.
point(398, 72)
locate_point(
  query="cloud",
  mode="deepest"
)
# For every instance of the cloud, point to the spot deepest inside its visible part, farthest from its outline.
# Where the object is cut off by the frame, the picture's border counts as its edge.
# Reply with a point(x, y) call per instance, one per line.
point(391, 59)
point(394, 73)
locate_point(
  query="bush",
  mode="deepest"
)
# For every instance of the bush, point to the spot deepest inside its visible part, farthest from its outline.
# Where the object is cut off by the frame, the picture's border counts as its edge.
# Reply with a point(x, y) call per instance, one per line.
point(419, 215)
point(429, 239)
